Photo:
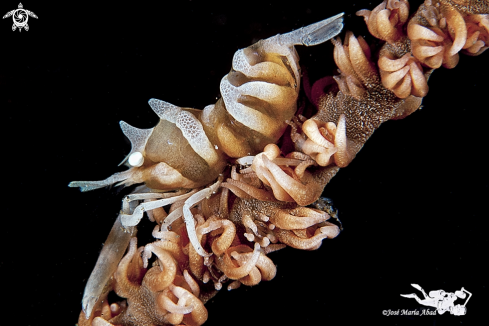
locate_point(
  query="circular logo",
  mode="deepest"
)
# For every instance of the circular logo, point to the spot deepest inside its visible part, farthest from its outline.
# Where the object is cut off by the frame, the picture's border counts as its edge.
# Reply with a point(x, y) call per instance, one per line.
point(20, 17)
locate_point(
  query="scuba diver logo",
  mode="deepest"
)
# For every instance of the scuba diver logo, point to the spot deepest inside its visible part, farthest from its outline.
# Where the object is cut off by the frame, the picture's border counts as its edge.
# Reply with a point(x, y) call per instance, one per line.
point(442, 301)
point(20, 17)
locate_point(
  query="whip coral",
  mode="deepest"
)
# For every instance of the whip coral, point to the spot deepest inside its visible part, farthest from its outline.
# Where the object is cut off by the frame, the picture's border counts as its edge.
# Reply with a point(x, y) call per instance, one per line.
point(223, 187)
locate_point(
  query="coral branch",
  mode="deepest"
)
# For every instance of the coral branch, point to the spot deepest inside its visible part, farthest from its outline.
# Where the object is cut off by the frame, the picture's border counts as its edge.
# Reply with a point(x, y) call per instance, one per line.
point(219, 233)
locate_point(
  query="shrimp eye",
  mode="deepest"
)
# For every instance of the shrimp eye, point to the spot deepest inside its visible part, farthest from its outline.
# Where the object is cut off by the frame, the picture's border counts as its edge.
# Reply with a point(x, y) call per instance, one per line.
point(136, 159)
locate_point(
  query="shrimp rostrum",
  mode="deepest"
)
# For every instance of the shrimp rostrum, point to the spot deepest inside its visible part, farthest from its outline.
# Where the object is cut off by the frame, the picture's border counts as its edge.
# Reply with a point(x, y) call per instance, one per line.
point(183, 163)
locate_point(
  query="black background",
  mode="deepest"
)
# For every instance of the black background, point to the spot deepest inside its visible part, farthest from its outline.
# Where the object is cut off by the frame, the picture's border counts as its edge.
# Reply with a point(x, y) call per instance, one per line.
point(413, 202)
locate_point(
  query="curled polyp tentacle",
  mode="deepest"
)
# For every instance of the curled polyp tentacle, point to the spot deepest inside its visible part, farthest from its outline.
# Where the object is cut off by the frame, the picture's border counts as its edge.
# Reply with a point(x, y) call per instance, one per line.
point(165, 235)
point(357, 71)
point(236, 187)
point(397, 80)
point(231, 269)
point(352, 86)
point(285, 187)
point(330, 229)
point(342, 57)
point(177, 306)
point(321, 155)
point(266, 176)
point(431, 54)
point(248, 222)
point(193, 285)
point(264, 266)
point(400, 8)
point(160, 277)
point(224, 238)
point(196, 261)
point(344, 154)
point(297, 218)
point(176, 310)
point(125, 285)
point(246, 175)
point(305, 243)
point(309, 238)
point(456, 27)
point(224, 241)
point(477, 34)
point(438, 31)
point(419, 87)
point(245, 190)
point(300, 170)
point(360, 58)
point(317, 146)
point(326, 143)
point(253, 277)
point(311, 127)
point(198, 315)
point(173, 247)
point(386, 20)
point(404, 76)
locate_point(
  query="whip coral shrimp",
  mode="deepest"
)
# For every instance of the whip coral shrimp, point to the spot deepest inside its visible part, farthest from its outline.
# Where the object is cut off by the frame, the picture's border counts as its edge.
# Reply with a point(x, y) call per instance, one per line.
point(187, 151)
point(233, 190)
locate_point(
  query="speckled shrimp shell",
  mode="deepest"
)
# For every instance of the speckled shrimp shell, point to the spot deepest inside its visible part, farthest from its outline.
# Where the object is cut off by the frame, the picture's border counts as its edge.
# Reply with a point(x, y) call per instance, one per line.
point(258, 97)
